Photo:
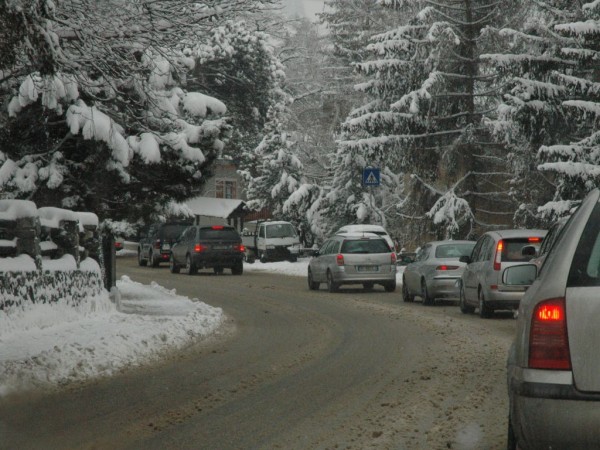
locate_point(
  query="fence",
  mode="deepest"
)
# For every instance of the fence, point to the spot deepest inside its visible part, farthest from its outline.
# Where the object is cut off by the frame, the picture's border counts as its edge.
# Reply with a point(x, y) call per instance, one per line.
point(49, 254)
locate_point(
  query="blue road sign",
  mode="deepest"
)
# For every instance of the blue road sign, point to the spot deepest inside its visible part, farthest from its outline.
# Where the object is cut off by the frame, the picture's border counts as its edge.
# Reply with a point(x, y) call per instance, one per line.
point(371, 176)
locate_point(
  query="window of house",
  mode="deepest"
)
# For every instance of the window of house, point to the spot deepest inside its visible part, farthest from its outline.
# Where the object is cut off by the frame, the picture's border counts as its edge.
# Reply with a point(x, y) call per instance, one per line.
point(226, 189)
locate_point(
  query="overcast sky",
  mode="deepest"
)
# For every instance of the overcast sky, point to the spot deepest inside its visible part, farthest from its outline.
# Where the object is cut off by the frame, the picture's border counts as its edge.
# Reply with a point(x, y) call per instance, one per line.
point(307, 8)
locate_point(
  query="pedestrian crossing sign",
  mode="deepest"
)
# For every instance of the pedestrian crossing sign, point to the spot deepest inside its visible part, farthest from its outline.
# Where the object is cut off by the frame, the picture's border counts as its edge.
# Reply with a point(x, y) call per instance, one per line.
point(371, 176)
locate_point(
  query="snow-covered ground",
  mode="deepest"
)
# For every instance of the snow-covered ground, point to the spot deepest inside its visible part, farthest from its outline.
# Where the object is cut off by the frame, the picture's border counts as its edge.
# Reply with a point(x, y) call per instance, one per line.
point(55, 344)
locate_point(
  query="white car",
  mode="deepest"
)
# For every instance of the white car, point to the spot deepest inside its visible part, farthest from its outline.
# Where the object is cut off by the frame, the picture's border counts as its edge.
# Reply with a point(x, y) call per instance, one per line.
point(367, 228)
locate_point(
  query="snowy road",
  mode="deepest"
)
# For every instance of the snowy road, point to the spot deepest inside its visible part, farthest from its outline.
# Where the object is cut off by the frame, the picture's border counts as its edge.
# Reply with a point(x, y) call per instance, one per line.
point(292, 369)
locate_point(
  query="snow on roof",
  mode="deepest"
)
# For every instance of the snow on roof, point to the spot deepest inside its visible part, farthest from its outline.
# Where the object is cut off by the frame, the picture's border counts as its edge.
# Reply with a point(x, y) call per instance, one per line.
point(16, 209)
point(51, 217)
point(213, 207)
point(87, 218)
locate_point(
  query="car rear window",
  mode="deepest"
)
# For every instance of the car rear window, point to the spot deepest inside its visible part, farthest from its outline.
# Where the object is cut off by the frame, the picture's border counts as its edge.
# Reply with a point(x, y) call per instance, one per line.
point(365, 246)
point(171, 231)
point(513, 248)
point(454, 250)
point(226, 234)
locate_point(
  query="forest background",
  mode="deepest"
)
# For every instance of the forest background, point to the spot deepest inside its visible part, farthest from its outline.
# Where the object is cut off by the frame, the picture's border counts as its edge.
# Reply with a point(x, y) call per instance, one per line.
point(479, 114)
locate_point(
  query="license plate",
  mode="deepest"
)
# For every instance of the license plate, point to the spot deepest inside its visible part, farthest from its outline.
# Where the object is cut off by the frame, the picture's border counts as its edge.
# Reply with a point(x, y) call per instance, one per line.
point(220, 247)
point(166, 247)
point(367, 268)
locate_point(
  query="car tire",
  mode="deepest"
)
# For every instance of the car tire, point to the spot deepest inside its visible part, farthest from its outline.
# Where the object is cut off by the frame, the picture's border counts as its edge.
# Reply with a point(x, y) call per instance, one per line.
point(190, 266)
point(141, 261)
point(462, 302)
point(238, 269)
point(152, 261)
point(332, 286)
point(263, 258)
point(173, 266)
point(390, 287)
point(406, 295)
point(312, 285)
point(427, 300)
point(485, 311)
point(511, 439)
point(368, 286)
point(218, 270)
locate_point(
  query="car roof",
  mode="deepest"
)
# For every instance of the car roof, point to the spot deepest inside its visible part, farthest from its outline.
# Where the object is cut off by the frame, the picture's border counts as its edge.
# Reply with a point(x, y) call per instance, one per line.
point(361, 227)
point(275, 222)
point(517, 233)
point(451, 241)
point(358, 235)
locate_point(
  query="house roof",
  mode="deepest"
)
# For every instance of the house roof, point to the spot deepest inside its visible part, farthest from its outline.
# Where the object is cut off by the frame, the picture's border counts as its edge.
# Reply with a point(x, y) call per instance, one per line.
point(216, 207)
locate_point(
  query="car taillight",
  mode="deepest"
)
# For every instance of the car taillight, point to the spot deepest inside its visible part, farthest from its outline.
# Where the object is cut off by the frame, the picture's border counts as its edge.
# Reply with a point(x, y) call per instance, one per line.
point(393, 258)
point(445, 267)
point(157, 243)
point(548, 339)
point(198, 248)
point(339, 259)
point(241, 248)
point(534, 239)
point(498, 256)
point(217, 227)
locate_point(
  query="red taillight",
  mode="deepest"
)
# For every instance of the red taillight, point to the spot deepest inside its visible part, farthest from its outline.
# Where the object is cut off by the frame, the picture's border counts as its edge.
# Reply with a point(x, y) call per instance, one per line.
point(339, 259)
point(157, 243)
point(548, 339)
point(393, 258)
point(241, 248)
point(445, 267)
point(498, 257)
point(534, 239)
point(217, 227)
point(198, 248)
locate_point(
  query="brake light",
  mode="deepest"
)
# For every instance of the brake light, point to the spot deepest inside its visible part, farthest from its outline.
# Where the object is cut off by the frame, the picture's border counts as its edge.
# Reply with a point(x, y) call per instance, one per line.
point(156, 243)
point(241, 248)
point(217, 227)
point(339, 259)
point(445, 267)
point(498, 256)
point(393, 258)
point(199, 248)
point(548, 338)
point(534, 239)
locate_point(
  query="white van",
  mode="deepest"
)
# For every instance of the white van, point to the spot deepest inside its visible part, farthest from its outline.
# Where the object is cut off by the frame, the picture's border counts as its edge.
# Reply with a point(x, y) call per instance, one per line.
point(271, 241)
point(376, 229)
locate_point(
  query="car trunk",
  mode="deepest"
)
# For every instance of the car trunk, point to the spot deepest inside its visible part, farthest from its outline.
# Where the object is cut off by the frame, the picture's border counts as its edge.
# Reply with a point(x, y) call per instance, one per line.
point(367, 263)
point(583, 309)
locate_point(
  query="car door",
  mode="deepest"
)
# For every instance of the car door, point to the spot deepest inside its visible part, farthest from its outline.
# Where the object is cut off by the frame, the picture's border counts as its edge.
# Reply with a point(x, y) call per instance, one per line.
point(469, 277)
point(180, 248)
point(412, 271)
point(318, 266)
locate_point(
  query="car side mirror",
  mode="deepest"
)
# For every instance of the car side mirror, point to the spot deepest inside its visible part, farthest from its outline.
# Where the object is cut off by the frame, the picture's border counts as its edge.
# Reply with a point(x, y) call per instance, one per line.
point(315, 253)
point(465, 259)
point(520, 275)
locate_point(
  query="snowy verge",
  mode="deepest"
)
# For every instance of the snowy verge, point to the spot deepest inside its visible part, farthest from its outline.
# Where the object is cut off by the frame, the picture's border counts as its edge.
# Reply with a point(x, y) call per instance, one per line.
point(59, 343)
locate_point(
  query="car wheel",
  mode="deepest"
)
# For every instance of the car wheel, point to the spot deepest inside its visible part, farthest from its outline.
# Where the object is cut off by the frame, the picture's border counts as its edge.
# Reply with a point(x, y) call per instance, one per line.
point(484, 310)
point(190, 266)
point(406, 296)
point(173, 267)
point(141, 261)
point(390, 287)
point(263, 258)
point(331, 285)
point(312, 285)
point(427, 300)
point(368, 285)
point(238, 269)
point(218, 270)
point(462, 302)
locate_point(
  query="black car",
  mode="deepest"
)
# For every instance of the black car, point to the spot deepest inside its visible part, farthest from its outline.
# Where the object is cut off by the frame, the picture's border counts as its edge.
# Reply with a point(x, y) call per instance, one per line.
point(155, 243)
point(217, 247)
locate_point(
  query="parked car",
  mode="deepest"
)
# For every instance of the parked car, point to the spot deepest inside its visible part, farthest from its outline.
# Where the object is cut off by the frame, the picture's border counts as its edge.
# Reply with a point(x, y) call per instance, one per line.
point(271, 241)
point(218, 247)
point(367, 228)
point(119, 243)
point(353, 258)
point(436, 271)
point(155, 243)
point(481, 283)
point(554, 365)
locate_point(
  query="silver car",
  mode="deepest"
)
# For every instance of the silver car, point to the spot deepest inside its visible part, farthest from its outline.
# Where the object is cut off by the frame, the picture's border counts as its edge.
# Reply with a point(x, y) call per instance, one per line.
point(436, 271)
point(554, 363)
point(353, 258)
point(481, 284)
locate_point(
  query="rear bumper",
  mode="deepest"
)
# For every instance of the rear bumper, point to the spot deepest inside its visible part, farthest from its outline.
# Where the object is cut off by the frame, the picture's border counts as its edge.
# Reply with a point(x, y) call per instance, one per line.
point(498, 299)
point(383, 276)
point(444, 287)
point(551, 413)
point(201, 261)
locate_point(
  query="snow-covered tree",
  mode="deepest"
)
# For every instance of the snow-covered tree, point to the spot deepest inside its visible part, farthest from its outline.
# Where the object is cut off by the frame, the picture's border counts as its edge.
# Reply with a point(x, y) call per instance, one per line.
point(549, 115)
point(101, 114)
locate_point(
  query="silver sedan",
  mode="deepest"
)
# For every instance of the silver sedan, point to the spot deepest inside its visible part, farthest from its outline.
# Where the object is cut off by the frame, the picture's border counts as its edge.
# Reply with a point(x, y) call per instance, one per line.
point(436, 270)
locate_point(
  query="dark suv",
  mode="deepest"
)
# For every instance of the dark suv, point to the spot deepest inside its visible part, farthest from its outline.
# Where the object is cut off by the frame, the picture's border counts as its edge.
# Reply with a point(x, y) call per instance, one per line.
point(217, 247)
point(155, 244)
